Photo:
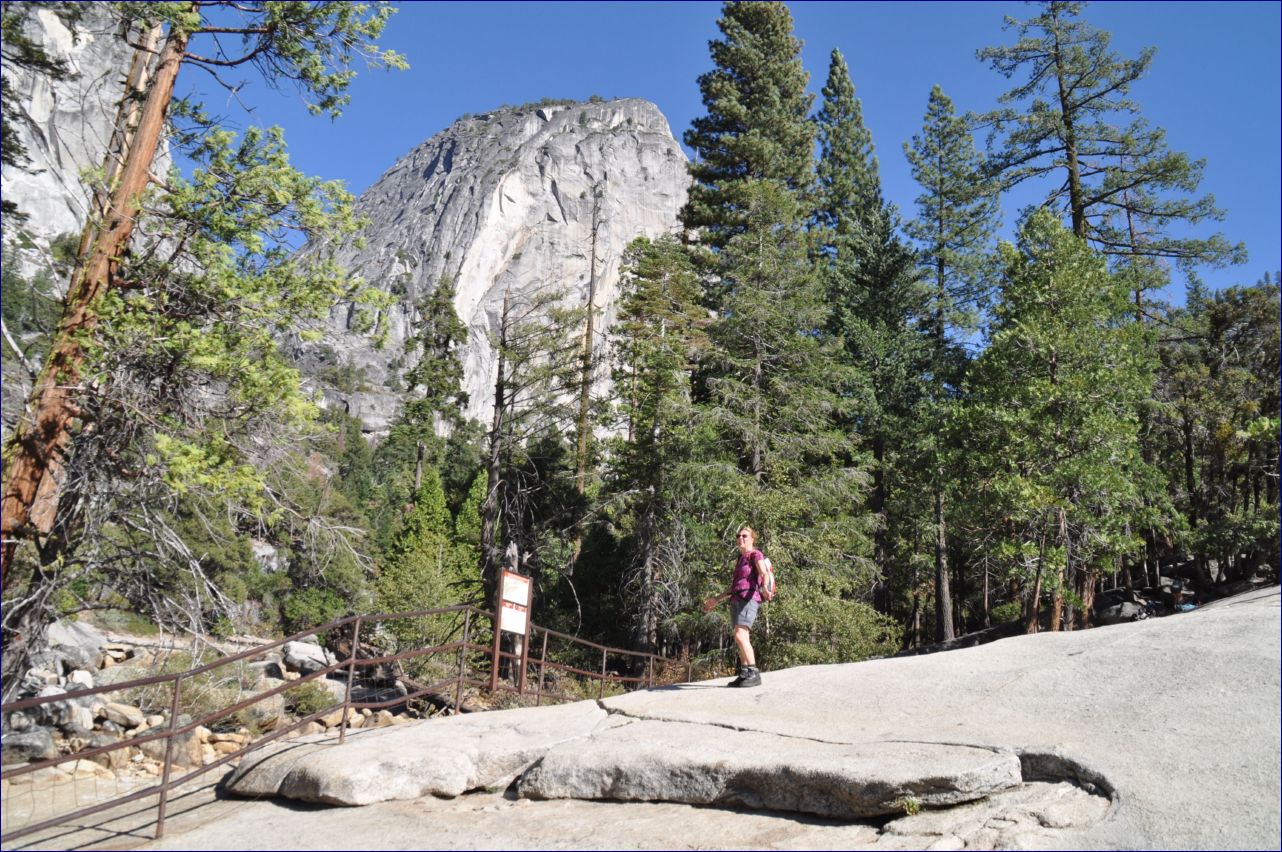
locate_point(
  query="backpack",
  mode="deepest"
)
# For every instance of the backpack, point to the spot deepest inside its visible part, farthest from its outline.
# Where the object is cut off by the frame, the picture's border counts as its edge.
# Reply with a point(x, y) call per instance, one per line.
point(767, 583)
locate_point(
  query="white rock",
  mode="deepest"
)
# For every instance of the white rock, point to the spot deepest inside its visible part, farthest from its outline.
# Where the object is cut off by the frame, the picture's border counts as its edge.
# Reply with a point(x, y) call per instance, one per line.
point(305, 657)
point(443, 758)
point(81, 678)
point(125, 715)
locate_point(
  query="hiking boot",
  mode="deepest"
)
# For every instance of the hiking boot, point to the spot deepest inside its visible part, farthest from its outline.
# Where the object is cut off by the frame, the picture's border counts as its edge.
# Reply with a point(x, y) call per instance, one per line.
point(743, 672)
point(750, 676)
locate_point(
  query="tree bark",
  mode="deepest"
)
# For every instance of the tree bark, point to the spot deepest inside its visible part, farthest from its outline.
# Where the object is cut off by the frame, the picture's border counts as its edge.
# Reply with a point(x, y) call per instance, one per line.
point(491, 549)
point(943, 594)
point(1076, 199)
point(585, 386)
point(34, 467)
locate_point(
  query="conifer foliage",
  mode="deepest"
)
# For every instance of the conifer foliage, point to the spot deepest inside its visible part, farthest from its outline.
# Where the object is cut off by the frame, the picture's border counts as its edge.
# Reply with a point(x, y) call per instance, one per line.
point(756, 127)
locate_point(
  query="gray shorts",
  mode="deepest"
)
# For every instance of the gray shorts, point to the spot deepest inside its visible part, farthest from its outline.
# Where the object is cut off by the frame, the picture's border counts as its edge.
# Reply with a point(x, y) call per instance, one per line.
point(743, 613)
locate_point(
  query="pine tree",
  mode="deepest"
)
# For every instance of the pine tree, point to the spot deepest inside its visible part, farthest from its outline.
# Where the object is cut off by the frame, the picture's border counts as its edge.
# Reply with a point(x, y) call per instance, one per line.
point(1050, 424)
point(777, 400)
point(957, 218)
point(437, 378)
point(872, 290)
point(849, 186)
point(956, 225)
point(756, 127)
point(528, 508)
point(657, 337)
point(1215, 428)
point(426, 568)
point(1118, 184)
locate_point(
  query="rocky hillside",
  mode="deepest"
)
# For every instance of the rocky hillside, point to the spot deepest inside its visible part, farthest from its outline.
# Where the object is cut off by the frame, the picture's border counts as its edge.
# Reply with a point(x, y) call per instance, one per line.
point(65, 125)
point(513, 200)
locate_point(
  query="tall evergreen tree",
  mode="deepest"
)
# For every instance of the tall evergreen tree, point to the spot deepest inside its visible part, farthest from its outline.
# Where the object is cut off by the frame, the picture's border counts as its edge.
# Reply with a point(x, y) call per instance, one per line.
point(957, 218)
point(1050, 423)
point(849, 186)
point(436, 380)
point(1215, 428)
point(756, 126)
point(528, 507)
point(870, 279)
point(954, 230)
point(657, 338)
point(1118, 183)
point(777, 402)
point(427, 567)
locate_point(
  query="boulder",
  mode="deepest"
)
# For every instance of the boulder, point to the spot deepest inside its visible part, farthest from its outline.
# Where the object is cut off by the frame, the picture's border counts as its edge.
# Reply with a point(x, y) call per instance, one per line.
point(1119, 613)
point(37, 679)
point(133, 670)
point(79, 720)
point(271, 669)
point(80, 678)
point(305, 657)
point(707, 765)
point(268, 711)
point(114, 759)
point(58, 714)
point(441, 758)
point(28, 746)
point(124, 715)
point(16, 721)
point(187, 751)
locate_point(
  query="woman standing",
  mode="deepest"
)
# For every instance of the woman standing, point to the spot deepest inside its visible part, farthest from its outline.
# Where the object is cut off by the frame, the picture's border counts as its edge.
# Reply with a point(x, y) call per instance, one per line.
point(745, 602)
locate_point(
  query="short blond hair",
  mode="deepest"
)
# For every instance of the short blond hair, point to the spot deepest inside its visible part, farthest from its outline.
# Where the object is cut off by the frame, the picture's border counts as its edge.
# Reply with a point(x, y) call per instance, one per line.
point(750, 531)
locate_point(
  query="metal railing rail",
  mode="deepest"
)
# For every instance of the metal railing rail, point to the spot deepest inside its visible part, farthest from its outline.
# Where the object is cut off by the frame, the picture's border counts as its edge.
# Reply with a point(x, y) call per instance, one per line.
point(348, 667)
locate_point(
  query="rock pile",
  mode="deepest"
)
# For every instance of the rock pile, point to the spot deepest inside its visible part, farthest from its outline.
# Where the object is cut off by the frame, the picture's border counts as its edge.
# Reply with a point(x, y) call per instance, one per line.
point(78, 658)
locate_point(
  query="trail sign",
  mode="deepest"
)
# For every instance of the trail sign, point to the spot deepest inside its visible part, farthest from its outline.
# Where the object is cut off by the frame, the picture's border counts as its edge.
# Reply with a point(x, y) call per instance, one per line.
point(514, 607)
point(511, 615)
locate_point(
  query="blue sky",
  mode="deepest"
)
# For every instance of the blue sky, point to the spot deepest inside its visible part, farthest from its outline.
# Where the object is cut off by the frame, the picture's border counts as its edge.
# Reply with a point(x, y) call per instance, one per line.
point(1214, 84)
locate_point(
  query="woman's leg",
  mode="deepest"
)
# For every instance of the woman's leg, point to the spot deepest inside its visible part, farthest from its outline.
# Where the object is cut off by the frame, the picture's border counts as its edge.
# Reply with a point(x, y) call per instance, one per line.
point(743, 642)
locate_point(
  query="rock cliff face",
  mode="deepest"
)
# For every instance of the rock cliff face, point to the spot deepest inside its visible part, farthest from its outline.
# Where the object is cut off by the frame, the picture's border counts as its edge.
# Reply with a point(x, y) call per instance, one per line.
point(512, 200)
point(66, 125)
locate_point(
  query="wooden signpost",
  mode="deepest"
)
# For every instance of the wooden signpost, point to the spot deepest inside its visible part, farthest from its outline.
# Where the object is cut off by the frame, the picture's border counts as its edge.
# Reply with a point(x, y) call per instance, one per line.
point(512, 614)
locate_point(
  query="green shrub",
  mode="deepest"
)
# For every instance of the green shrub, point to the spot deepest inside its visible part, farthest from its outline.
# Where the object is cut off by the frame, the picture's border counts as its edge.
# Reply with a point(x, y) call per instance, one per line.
point(1009, 611)
point(308, 698)
point(311, 608)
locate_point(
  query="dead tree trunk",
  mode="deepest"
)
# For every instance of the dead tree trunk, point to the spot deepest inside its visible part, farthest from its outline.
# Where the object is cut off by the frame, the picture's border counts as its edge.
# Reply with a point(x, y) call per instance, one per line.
point(586, 376)
point(491, 547)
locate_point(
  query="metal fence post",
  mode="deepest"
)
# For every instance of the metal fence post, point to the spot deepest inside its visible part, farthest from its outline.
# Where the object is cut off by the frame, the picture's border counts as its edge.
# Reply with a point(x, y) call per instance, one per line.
point(543, 664)
point(351, 675)
point(169, 753)
point(498, 614)
point(462, 661)
point(600, 693)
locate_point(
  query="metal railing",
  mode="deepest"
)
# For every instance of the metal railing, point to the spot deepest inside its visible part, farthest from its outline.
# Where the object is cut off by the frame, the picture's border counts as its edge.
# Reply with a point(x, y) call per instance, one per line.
point(464, 651)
